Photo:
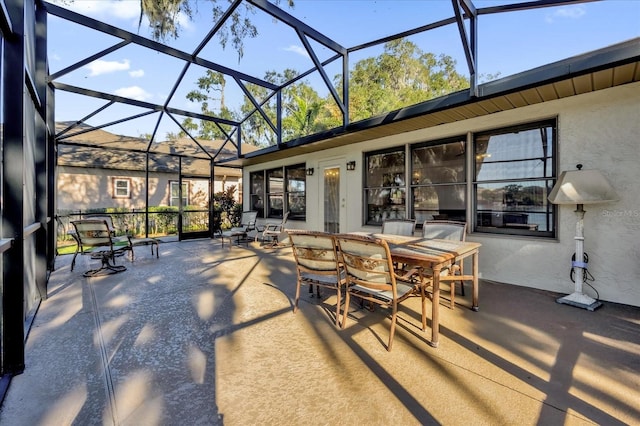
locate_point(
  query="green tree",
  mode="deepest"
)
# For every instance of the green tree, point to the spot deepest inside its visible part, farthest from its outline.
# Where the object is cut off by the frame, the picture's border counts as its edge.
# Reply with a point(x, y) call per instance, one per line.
point(256, 130)
point(402, 75)
point(301, 111)
point(163, 17)
point(211, 88)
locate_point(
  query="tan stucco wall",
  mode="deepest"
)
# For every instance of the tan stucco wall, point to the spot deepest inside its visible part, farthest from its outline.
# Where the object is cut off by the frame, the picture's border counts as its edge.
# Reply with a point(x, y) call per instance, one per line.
point(80, 188)
point(600, 130)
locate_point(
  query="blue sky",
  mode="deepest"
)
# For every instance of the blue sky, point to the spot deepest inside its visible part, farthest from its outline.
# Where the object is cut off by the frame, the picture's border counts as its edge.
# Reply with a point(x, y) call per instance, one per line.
point(508, 43)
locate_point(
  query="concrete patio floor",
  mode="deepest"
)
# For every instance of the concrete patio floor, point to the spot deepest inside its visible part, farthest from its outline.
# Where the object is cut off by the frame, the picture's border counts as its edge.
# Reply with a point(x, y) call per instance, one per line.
point(207, 336)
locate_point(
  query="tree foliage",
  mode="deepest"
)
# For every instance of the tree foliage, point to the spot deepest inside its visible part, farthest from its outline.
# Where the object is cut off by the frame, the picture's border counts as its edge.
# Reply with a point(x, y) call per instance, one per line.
point(402, 75)
point(210, 96)
point(164, 19)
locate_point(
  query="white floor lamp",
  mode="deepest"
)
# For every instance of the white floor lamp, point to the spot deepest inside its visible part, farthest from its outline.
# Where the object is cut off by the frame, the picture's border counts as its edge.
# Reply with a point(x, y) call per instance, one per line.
point(581, 187)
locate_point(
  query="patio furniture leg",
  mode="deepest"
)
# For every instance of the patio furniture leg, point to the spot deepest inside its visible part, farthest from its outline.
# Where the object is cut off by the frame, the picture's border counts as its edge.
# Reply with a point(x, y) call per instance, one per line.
point(106, 266)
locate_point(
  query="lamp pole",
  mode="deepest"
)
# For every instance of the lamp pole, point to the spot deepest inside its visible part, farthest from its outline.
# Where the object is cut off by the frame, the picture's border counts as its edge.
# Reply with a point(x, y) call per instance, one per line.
point(578, 298)
point(581, 187)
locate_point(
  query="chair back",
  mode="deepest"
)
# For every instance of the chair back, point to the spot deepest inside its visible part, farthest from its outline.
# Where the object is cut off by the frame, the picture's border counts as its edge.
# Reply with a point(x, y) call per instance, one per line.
point(93, 233)
point(368, 263)
point(404, 227)
point(444, 230)
point(284, 219)
point(248, 220)
point(314, 252)
point(104, 217)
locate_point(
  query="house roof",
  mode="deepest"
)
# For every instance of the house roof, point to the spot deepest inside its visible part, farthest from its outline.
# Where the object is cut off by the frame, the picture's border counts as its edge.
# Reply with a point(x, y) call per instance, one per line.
point(605, 68)
point(88, 147)
point(608, 67)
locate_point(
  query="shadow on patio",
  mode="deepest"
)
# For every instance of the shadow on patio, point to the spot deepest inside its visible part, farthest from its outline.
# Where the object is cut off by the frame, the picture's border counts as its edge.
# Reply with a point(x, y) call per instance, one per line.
point(206, 335)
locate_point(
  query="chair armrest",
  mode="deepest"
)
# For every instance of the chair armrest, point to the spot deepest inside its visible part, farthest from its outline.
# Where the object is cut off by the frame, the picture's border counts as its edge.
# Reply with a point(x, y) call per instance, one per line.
point(272, 227)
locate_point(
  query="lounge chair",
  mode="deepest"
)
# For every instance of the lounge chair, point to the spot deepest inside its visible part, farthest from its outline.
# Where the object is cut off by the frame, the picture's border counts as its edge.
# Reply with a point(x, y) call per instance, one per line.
point(247, 224)
point(271, 232)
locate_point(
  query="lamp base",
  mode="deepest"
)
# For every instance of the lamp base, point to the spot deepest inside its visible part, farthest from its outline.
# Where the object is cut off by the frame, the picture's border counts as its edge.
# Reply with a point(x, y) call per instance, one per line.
point(580, 300)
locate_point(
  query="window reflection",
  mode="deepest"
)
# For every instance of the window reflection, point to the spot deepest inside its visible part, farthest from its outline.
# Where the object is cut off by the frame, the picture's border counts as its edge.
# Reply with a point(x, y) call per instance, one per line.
point(385, 191)
point(437, 180)
point(276, 191)
point(514, 174)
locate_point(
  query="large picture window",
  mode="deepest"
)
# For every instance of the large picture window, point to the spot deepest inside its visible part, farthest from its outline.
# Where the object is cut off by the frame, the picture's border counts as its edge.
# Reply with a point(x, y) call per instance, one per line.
point(438, 180)
point(276, 191)
point(514, 173)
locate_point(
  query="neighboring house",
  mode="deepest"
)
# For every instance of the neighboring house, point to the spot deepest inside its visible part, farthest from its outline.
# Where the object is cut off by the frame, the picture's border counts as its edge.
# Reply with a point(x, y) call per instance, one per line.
point(117, 178)
point(490, 160)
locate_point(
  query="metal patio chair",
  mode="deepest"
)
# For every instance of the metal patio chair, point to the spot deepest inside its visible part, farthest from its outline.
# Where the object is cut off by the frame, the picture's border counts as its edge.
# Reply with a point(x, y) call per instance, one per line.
point(447, 230)
point(371, 277)
point(317, 263)
point(405, 227)
point(94, 238)
point(247, 224)
point(270, 232)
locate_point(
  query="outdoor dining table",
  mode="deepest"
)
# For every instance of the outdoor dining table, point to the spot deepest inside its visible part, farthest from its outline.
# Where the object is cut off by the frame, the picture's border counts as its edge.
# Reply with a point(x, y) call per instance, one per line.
point(434, 254)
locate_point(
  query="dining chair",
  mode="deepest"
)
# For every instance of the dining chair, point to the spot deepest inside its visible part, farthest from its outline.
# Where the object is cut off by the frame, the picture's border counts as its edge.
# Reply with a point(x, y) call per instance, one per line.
point(371, 277)
point(405, 227)
point(94, 238)
point(317, 263)
point(447, 230)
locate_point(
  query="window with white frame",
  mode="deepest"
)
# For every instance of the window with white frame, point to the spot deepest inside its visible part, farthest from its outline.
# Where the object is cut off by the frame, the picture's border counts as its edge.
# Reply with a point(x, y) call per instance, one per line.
point(121, 187)
point(175, 193)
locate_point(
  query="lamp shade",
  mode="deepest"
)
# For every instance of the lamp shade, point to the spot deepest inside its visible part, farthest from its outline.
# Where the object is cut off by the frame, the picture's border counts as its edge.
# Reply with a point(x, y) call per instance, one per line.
point(582, 187)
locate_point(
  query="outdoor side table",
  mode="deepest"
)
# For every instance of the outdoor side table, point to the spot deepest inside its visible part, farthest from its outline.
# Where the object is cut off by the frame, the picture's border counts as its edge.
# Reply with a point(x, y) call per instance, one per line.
point(136, 242)
point(239, 234)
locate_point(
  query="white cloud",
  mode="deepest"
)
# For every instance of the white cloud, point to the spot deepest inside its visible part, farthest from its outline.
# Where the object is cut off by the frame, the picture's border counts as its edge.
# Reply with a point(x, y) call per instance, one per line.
point(297, 49)
point(133, 92)
point(570, 12)
point(136, 73)
point(104, 8)
point(105, 67)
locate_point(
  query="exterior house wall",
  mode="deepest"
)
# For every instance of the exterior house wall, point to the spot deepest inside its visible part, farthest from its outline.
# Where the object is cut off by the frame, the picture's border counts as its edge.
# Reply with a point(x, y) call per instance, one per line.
point(80, 188)
point(599, 130)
